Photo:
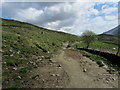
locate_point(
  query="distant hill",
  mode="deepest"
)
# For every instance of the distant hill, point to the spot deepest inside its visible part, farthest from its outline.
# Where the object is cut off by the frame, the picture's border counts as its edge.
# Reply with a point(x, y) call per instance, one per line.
point(115, 31)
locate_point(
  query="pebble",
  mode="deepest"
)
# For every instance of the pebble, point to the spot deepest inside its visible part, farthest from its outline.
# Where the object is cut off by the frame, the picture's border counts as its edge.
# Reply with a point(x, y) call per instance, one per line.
point(40, 59)
point(114, 48)
point(53, 74)
point(1, 50)
point(113, 79)
point(42, 56)
point(7, 81)
point(59, 65)
point(98, 79)
point(14, 68)
point(43, 80)
point(34, 64)
point(18, 52)
point(51, 63)
point(11, 55)
point(10, 50)
point(107, 82)
point(105, 66)
point(31, 62)
point(57, 75)
point(107, 79)
point(84, 70)
point(19, 77)
point(4, 62)
point(57, 86)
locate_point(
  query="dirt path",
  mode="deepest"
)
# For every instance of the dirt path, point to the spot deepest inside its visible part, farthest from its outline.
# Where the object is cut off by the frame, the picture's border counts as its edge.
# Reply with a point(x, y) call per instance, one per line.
point(83, 73)
point(69, 69)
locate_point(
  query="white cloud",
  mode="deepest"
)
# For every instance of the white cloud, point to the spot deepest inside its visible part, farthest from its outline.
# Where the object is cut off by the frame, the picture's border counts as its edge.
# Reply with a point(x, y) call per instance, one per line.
point(30, 14)
point(99, 24)
point(67, 17)
point(111, 17)
point(94, 11)
point(52, 25)
point(109, 10)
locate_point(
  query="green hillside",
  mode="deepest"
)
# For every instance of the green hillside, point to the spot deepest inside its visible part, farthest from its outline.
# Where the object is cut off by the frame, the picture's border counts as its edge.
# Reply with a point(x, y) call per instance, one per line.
point(19, 36)
point(110, 39)
point(23, 42)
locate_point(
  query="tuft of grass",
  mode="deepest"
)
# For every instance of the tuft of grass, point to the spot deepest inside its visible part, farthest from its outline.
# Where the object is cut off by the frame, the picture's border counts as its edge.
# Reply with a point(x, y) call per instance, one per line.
point(111, 71)
point(11, 61)
point(18, 77)
point(5, 73)
point(14, 86)
point(25, 69)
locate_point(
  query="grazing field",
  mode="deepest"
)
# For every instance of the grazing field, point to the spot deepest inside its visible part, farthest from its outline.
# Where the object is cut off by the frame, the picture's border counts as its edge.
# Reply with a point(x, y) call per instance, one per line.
point(112, 48)
point(35, 57)
point(110, 39)
point(23, 44)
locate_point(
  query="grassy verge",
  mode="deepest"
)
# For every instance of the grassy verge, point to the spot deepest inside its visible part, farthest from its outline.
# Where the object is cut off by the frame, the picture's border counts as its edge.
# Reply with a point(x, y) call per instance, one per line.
point(100, 46)
point(101, 61)
point(98, 59)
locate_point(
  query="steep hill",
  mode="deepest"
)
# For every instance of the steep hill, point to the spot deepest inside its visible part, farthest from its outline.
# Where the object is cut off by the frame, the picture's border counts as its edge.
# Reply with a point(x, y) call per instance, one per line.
point(115, 31)
point(23, 44)
point(21, 35)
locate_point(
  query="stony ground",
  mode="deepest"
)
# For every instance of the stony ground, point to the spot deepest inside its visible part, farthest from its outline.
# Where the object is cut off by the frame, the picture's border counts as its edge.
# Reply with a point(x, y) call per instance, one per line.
point(84, 73)
point(69, 69)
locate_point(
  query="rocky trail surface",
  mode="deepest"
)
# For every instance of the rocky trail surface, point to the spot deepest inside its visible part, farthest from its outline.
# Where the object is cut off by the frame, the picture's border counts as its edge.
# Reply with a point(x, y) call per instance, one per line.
point(84, 73)
point(70, 69)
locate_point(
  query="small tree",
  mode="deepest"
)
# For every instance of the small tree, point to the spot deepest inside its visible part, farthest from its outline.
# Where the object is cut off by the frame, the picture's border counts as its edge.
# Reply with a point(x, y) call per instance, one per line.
point(88, 37)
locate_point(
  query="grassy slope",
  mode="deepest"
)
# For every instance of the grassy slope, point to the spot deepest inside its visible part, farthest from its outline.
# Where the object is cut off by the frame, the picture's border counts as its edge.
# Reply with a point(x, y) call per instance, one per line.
point(101, 46)
point(103, 43)
point(23, 42)
point(108, 39)
point(27, 38)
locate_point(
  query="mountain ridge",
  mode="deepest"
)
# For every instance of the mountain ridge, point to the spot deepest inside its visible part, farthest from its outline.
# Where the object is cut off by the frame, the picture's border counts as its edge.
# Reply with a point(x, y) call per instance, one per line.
point(115, 31)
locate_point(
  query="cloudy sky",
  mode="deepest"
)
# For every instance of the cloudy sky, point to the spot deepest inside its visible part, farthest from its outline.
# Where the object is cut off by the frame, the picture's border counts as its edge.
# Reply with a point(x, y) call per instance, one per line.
point(70, 17)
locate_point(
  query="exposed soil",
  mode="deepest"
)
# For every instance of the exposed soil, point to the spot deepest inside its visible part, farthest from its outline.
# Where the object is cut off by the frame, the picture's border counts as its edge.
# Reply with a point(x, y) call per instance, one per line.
point(49, 75)
point(84, 73)
point(69, 69)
